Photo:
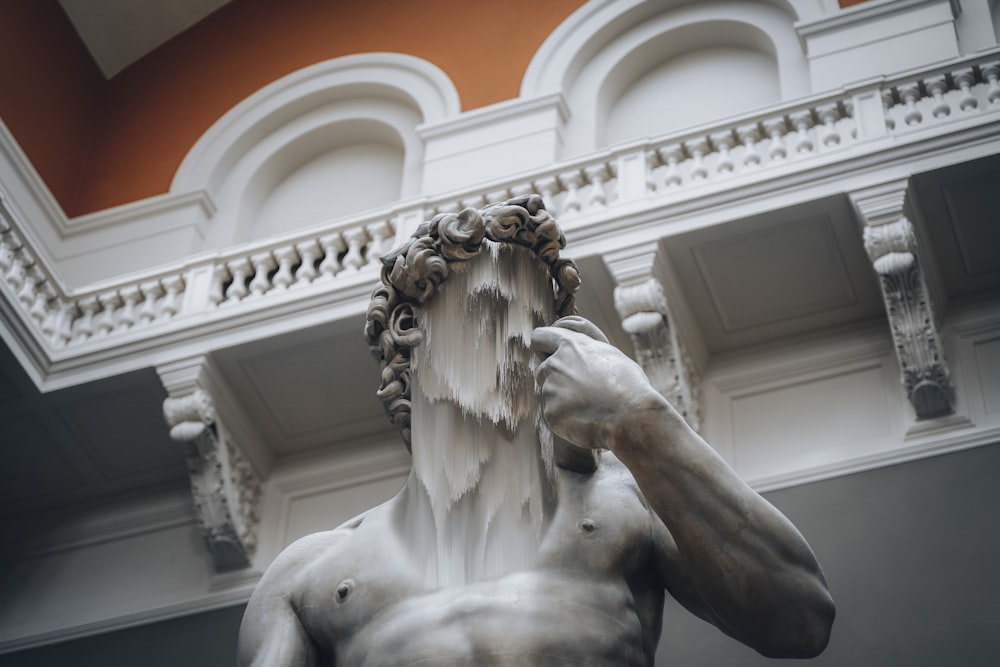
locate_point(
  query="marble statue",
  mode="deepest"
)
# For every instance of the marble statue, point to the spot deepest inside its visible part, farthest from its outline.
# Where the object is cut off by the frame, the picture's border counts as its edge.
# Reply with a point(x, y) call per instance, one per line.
point(555, 497)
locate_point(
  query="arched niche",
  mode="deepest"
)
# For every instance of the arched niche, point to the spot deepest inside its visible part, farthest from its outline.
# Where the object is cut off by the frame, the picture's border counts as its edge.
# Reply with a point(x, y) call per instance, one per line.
point(267, 152)
point(694, 74)
point(610, 47)
point(332, 171)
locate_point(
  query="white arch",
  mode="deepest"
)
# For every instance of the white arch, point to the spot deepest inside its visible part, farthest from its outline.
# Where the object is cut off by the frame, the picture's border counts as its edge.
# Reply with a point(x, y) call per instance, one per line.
point(406, 78)
point(578, 58)
point(274, 131)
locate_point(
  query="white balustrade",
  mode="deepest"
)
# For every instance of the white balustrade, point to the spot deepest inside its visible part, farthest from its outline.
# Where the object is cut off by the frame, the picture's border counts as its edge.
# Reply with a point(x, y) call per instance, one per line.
point(663, 167)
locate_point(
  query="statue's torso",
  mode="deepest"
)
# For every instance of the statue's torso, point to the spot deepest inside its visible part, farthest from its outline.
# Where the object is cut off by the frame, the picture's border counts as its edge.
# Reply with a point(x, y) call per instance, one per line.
point(588, 600)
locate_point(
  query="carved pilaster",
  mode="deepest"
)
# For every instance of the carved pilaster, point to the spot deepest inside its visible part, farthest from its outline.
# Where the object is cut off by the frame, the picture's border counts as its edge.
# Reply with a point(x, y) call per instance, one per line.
point(646, 319)
point(225, 487)
point(891, 245)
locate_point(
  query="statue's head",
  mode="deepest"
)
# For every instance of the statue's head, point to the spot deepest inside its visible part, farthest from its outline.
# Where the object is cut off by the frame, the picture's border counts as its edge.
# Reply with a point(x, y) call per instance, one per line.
point(505, 277)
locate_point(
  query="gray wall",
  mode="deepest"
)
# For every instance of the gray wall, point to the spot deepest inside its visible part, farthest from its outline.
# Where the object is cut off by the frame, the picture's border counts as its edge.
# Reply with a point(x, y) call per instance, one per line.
point(910, 552)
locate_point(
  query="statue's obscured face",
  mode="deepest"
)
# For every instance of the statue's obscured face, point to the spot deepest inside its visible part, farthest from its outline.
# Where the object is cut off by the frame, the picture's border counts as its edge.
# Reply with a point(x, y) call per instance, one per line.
point(477, 334)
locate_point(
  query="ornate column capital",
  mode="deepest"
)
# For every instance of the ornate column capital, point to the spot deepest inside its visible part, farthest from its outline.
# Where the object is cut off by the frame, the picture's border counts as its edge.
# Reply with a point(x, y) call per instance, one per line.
point(225, 486)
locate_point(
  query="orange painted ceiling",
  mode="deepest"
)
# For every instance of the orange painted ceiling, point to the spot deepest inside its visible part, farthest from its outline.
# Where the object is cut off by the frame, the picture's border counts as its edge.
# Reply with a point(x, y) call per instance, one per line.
point(99, 143)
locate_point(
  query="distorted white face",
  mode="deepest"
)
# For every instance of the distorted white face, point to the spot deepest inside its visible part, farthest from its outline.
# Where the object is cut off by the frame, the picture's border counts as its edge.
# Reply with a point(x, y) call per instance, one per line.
point(476, 349)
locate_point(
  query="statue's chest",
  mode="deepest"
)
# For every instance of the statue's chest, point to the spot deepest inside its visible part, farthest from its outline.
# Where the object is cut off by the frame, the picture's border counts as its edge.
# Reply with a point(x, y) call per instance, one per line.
point(348, 589)
point(601, 523)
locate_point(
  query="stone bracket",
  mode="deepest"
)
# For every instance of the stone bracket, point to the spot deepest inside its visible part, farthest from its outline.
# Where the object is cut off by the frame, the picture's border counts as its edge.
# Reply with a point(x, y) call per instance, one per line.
point(891, 245)
point(646, 319)
point(225, 487)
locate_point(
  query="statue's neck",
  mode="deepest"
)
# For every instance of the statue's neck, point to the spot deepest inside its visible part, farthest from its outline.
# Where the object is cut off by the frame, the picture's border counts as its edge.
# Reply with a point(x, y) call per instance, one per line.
point(478, 499)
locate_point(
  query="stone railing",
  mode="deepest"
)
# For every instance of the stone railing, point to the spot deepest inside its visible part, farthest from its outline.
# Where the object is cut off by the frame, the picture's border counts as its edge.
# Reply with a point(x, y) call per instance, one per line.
point(673, 165)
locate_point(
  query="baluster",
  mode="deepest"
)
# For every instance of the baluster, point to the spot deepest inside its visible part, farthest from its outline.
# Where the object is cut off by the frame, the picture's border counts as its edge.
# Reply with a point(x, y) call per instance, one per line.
point(653, 164)
point(8, 250)
point(829, 114)
point(106, 319)
point(151, 291)
point(965, 78)
point(991, 73)
point(333, 245)
point(173, 286)
point(217, 286)
point(546, 187)
point(263, 264)
point(240, 270)
point(802, 121)
point(597, 174)
point(571, 180)
point(937, 86)
point(379, 233)
point(698, 148)
point(29, 284)
point(51, 322)
point(672, 155)
point(888, 101)
point(88, 311)
point(64, 322)
point(749, 135)
point(287, 257)
point(130, 297)
point(39, 310)
point(724, 142)
point(17, 273)
point(356, 239)
point(776, 129)
point(309, 252)
point(910, 93)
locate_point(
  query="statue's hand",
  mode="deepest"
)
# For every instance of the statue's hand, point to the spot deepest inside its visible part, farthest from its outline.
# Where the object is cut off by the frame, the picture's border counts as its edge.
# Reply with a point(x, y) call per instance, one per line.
point(589, 388)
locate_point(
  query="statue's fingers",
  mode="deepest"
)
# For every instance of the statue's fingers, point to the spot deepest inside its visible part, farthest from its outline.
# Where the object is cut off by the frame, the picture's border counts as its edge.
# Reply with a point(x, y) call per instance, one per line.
point(581, 325)
point(546, 340)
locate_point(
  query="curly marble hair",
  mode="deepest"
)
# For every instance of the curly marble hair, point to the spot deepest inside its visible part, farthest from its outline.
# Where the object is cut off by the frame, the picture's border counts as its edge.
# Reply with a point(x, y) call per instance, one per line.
point(414, 271)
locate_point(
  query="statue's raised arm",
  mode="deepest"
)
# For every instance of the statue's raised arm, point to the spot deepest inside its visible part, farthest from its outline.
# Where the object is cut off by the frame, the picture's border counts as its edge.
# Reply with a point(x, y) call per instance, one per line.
point(723, 551)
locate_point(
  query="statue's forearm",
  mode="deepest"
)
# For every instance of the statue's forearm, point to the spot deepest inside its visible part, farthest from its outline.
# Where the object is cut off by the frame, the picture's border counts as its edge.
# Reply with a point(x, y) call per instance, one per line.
point(748, 563)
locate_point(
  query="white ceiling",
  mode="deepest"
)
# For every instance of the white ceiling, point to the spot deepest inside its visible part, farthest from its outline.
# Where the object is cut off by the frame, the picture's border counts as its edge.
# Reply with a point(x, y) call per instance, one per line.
point(119, 32)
